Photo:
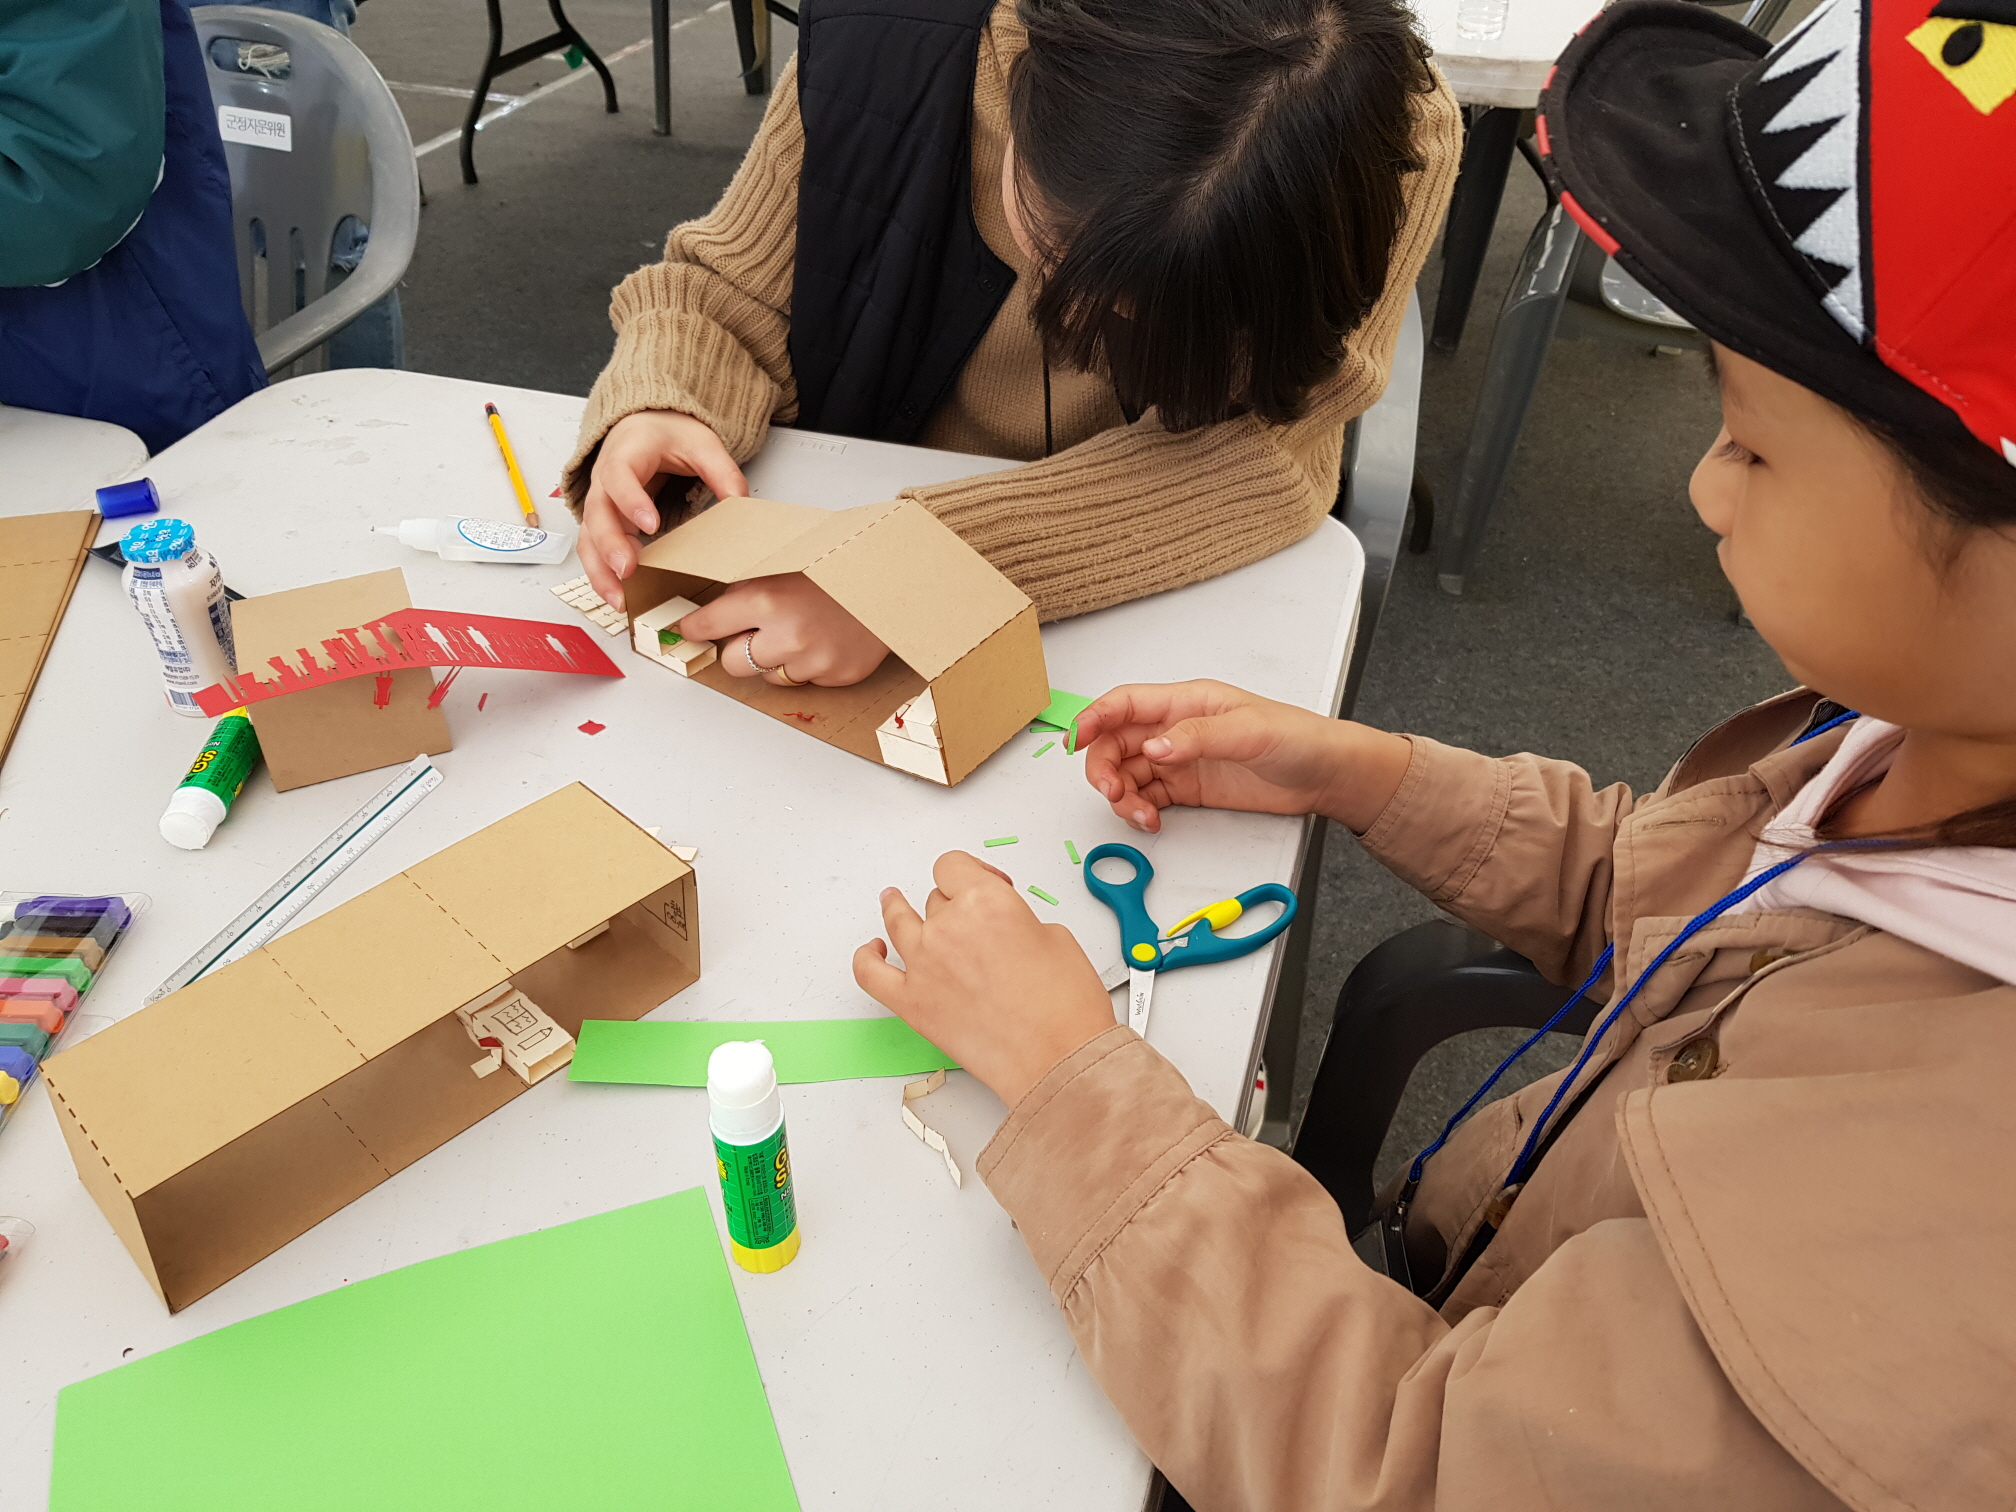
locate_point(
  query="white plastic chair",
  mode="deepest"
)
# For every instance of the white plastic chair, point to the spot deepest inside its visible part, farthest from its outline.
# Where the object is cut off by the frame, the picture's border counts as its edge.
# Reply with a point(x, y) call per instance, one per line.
point(348, 154)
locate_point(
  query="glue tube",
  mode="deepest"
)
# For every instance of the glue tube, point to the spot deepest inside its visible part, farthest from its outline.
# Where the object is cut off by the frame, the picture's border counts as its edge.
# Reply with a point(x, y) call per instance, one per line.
point(747, 1120)
point(199, 805)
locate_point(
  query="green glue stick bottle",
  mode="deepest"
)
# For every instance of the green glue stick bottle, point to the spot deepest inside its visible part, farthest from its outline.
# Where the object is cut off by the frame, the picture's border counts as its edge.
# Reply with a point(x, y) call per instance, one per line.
point(747, 1120)
point(199, 805)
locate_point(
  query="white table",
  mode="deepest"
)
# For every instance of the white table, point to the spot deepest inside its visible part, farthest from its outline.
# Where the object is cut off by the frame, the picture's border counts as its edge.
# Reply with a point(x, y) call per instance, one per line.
point(51, 462)
point(912, 1355)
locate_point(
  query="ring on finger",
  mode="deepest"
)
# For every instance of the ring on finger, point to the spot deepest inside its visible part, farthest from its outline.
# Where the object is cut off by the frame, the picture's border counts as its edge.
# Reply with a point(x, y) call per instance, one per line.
point(749, 655)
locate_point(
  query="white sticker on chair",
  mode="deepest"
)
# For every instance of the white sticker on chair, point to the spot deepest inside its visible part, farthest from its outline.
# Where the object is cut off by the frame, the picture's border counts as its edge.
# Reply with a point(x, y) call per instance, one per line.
point(255, 128)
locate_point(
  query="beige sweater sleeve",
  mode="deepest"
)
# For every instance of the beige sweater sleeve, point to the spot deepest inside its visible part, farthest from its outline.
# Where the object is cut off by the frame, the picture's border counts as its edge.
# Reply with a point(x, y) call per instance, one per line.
point(1211, 1290)
point(705, 331)
point(1137, 510)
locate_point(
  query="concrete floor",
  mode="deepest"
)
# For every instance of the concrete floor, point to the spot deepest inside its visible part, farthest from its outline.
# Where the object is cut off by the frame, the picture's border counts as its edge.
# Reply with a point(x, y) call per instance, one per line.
point(1596, 626)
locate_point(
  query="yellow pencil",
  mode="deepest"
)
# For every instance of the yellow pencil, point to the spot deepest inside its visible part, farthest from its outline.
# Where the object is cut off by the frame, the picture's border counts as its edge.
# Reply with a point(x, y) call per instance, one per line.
point(511, 465)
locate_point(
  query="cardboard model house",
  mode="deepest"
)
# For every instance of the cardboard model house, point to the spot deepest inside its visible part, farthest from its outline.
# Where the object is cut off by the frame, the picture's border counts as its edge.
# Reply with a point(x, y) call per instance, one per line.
point(323, 733)
point(965, 670)
point(234, 1115)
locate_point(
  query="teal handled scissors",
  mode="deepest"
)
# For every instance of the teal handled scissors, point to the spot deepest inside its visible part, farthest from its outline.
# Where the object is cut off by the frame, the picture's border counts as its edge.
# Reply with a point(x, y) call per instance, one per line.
point(1192, 941)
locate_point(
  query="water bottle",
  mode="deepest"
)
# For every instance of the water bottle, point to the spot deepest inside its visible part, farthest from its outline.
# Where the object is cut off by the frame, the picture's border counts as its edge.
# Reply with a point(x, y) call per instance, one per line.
point(1480, 20)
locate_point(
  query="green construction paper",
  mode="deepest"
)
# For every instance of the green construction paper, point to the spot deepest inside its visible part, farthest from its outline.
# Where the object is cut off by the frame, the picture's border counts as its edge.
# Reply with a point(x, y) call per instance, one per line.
point(1062, 715)
point(1044, 747)
point(600, 1364)
point(806, 1050)
point(1044, 896)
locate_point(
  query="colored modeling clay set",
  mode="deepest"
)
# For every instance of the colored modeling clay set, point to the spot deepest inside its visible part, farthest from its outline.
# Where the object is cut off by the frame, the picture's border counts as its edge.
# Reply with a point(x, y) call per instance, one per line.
point(52, 948)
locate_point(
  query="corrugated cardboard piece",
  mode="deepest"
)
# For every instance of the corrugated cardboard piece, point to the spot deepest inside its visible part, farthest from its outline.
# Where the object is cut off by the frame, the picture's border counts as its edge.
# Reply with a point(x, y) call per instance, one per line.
point(333, 731)
point(40, 558)
point(959, 633)
point(237, 1113)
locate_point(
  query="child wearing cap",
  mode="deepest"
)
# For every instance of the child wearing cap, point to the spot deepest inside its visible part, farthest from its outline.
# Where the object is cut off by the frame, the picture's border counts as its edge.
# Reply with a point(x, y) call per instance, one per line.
point(1751, 1250)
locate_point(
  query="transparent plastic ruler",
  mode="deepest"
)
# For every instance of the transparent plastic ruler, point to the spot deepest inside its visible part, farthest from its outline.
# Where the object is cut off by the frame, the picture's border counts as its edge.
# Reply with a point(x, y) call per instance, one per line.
point(275, 908)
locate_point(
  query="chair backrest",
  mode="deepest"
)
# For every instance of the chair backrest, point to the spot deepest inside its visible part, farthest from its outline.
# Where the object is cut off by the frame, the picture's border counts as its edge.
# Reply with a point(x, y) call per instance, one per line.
point(316, 145)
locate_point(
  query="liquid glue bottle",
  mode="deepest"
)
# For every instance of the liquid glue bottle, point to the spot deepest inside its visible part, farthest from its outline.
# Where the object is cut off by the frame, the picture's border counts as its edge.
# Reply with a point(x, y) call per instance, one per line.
point(461, 538)
point(179, 591)
point(747, 1120)
point(199, 805)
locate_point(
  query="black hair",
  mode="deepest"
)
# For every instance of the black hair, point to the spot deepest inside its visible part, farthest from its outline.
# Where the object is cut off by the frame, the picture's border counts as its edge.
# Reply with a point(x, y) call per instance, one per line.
point(1214, 187)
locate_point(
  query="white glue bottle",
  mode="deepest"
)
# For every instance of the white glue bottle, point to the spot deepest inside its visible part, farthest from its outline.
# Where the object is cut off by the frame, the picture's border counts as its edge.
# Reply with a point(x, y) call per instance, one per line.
point(754, 1159)
point(179, 591)
point(461, 538)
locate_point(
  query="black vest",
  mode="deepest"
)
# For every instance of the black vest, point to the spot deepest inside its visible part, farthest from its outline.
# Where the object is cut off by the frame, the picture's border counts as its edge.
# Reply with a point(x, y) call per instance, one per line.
point(894, 286)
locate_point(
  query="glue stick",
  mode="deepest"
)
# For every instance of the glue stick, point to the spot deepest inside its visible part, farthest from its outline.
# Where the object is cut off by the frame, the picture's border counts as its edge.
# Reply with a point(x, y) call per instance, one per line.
point(747, 1120)
point(199, 805)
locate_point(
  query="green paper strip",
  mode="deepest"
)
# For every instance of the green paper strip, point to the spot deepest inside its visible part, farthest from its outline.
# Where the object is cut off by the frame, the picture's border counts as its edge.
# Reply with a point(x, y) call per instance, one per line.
point(1044, 896)
point(1072, 851)
point(674, 1054)
point(1044, 747)
point(1004, 840)
point(603, 1363)
point(1062, 715)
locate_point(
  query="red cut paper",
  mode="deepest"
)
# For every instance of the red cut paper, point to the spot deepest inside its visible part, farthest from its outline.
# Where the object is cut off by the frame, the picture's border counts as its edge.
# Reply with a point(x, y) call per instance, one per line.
point(592, 728)
point(417, 638)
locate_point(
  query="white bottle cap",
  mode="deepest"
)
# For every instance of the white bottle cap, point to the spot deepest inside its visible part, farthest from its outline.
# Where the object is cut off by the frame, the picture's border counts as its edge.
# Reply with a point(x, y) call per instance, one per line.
point(192, 817)
point(742, 1102)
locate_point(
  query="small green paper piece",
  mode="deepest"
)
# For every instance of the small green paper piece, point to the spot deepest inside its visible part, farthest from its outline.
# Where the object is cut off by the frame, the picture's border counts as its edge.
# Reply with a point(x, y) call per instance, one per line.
point(674, 1054)
point(669, 637)
point(1044, 896)
point(1062, 716)
point(1072, 851)
point(1042, 748)
point(1004, 840)
point(574, 56)
point(630, 1384)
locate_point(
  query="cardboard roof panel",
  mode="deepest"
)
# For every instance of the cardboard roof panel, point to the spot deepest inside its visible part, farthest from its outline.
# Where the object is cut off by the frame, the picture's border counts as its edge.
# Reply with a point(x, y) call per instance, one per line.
point(728, 542)
point(200, 1068)
point(593, 862)
point(923, 591)
point(380, 967)
point(833, 529)
point(281, 624)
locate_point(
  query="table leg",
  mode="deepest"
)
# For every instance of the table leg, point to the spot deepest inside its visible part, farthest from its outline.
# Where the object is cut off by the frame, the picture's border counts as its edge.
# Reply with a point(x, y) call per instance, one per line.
point(1282, 1045)
point(661, 67)
point(752, 39)
point(1473, 209)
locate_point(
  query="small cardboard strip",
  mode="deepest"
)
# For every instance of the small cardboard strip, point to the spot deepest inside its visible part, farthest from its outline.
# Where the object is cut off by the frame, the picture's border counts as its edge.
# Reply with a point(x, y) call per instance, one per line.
point(924, 1131)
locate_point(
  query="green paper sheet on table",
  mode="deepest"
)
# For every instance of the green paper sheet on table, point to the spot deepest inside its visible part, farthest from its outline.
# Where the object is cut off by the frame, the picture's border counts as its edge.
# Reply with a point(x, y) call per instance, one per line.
point(1062, 714)
point(674, 1054)
point(602, 1364)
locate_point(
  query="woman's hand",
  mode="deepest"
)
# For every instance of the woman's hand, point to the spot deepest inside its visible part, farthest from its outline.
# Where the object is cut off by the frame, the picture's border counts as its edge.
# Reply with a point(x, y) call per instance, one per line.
point(618, 509)
point(801, 634)
point(1210, 745)
point(983, 978)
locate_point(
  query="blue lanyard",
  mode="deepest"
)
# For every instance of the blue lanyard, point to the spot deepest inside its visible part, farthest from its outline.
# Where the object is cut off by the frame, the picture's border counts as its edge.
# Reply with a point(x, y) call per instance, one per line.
point(1695, 925)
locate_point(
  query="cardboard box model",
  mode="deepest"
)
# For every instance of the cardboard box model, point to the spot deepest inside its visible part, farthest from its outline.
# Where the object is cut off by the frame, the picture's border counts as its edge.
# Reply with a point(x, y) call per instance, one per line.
point(236, 1114)
point(961, 636)
point(334, 731)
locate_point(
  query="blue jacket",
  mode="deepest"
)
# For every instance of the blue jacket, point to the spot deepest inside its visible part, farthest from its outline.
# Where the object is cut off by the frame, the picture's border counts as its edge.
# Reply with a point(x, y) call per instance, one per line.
point(152, 336)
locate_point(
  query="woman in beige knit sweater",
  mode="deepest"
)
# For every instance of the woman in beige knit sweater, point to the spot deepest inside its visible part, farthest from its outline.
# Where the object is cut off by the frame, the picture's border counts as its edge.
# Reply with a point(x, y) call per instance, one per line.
point(1157, 249)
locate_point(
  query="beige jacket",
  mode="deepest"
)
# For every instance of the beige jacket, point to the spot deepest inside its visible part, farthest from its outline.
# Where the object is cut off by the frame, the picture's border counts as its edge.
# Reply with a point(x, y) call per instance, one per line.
point(1121, 510)
point(1777, 1276)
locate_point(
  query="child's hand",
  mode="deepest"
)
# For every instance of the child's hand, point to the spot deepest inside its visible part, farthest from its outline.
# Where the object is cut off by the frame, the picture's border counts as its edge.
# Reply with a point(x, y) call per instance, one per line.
point(802, 634)
point(1209, 745)
point(618, 509)
point(983, 978)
